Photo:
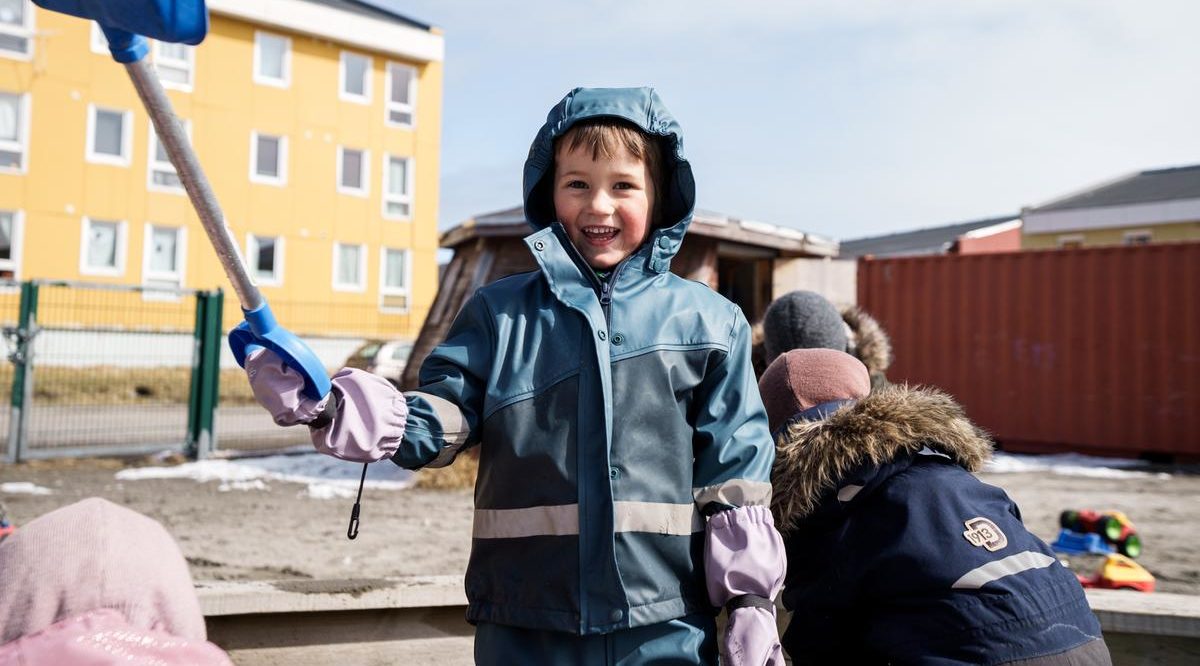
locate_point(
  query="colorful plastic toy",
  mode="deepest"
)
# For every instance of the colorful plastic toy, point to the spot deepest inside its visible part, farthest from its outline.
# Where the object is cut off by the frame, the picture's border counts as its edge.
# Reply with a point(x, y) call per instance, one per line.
point(1114, 526)
point(1078, 543)
point(1120, 573)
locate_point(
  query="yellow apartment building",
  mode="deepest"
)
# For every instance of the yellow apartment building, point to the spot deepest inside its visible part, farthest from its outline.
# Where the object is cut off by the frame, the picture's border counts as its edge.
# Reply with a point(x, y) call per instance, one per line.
point(316, 121)
point(1155, 206)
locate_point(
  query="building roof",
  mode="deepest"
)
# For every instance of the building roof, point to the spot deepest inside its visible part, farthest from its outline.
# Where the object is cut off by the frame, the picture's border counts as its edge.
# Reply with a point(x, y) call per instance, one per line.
point(1143, 187)
point(932, 240)
point(789, 242)
point(380, 9)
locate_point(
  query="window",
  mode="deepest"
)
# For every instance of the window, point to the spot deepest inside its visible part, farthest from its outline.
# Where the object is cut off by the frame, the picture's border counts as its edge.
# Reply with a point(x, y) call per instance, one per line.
point(103, 248)
point(99, 42)
point(162, 265)
point(393, 280)
point(349, 267)
point(355, 78)
point(16, 28)
point(268, 159)
point(401, 95)
point(352, 170)
point(1138, 237)
point(108, 136)
point(397, 187)
point(1070, 242)
point(174, 63)
point(14, 130)
point(160, 173)
point(264, 254)
point(10, 244)
point(272, 59)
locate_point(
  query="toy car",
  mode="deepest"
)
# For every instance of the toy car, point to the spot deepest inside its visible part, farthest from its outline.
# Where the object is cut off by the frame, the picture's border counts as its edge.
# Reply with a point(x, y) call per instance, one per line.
point(1119, 573)
point(1114, 526)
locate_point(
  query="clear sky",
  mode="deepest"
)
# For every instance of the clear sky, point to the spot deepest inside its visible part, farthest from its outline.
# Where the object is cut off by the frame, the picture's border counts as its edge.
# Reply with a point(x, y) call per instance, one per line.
point(841, 117)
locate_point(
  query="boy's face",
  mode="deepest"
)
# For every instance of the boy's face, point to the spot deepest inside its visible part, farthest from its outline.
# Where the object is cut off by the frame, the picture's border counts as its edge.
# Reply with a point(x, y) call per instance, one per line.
point(604, 204)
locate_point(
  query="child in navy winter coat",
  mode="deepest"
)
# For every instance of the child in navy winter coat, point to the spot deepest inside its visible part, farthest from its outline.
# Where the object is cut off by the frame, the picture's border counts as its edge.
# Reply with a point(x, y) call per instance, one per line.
point(896, 552)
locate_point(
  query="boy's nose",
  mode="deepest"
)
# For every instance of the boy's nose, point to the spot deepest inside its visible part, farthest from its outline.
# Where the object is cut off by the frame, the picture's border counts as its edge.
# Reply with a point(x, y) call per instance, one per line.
point(600, 203)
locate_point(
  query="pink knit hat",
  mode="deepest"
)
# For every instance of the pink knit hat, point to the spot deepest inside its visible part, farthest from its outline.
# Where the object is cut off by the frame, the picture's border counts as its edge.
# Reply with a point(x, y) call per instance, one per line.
point(803, 378)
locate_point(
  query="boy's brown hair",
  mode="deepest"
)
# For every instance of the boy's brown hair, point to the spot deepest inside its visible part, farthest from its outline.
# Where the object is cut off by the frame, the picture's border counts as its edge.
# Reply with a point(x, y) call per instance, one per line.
point(606, 136)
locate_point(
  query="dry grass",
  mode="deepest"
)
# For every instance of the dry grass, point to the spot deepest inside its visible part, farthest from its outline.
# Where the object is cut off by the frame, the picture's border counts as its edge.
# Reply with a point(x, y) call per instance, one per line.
point(459, 476)
point(108, 385)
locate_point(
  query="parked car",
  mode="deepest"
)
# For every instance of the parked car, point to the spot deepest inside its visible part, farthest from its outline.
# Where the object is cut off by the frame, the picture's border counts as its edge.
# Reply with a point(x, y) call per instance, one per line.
point(385, 358)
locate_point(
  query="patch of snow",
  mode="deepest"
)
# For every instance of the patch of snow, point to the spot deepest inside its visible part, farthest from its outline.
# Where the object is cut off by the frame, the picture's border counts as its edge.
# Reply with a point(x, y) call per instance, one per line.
point(325, 477)
point(24, 488)
point(1072, 464)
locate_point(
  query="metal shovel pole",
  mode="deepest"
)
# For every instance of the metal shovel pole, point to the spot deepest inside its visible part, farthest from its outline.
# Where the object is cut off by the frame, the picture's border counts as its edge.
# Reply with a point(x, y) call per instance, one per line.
point(180, 152)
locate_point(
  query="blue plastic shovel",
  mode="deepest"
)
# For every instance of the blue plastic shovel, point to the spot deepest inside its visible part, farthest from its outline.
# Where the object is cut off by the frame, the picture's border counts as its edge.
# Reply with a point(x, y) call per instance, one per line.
point(126, 24)
point(186, 21)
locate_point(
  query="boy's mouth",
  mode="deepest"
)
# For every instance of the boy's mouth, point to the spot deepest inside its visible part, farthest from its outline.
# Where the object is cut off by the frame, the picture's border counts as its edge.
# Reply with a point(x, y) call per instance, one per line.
point(600, 235)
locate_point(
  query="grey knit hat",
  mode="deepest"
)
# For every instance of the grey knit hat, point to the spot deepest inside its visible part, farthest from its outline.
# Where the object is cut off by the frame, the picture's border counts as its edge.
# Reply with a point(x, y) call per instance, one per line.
point(802, 320)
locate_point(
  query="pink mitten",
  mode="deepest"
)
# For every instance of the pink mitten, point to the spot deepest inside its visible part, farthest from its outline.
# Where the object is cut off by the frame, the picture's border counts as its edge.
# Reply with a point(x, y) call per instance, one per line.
point(278, 389)
point(745, 563)
point(369, 422)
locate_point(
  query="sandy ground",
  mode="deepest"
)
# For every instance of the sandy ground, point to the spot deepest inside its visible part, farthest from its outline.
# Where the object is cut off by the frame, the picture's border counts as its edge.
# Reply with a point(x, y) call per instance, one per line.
point(281, 533)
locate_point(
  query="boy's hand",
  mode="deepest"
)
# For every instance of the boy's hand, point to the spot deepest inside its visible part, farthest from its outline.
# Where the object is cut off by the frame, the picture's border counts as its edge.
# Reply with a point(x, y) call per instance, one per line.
point(745, 563)
point(361, 420)
point(279, 389)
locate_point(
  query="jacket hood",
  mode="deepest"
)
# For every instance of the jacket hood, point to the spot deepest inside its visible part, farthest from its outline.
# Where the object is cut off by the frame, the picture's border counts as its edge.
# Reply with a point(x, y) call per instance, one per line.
point(813, 457)
point(868, 342)
point(643, 108)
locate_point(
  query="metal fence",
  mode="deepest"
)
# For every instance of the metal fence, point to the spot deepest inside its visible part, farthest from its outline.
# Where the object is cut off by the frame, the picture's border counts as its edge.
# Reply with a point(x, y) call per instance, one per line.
point(100, 369)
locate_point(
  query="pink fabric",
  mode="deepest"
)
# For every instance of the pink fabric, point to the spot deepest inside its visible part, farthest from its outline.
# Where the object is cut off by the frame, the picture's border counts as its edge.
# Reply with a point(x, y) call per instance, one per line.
point(278, 388)
point(91, 555)
point(370, 418)
point(803, 378)
point(744, 554)
point(371, 413)
point(104, 637)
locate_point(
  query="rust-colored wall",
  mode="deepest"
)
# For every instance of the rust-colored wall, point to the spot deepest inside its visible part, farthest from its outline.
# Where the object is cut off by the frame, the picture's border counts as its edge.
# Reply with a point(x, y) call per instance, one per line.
point(1005, 241)
point(1093, 350)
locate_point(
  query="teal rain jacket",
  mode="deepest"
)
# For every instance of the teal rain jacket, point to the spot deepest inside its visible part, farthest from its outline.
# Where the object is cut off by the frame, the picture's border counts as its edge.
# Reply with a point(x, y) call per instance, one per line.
point(608, 416)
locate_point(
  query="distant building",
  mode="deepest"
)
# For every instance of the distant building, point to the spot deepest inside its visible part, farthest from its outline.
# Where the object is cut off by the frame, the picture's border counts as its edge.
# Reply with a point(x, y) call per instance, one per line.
point(995, 234)
point(1144, 207)
point(317, 121)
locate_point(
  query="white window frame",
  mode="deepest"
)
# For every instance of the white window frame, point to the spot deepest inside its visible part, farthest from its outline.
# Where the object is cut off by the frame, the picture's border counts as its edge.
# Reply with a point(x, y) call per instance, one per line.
point(385, 290)
point(1132, 235)
point(188, 64)
point(26, 31)
point(276, 278)
point(389, 197)
point(98, 42)
point(122, 160)
point(1065, 239)
point(175, 276)
point(21, 145)
point(361, 285)
point(152, 163)
point(259, 78)
point(389, 105)
point(364, 177)
point(122, 239)
point(16, 243)
point(255, 177)
point(343, 94)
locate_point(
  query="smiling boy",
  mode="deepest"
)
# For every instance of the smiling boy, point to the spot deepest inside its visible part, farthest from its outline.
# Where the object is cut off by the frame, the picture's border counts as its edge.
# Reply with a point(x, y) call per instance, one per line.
point(624, 456)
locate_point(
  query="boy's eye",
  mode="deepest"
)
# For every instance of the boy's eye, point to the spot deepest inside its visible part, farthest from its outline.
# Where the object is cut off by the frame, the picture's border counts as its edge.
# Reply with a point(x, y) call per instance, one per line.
point(577, 184)
point(623, 186)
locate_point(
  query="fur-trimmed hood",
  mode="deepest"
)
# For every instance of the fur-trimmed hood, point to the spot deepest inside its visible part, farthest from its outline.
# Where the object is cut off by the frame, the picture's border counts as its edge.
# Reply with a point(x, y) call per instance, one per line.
point(869, 343)
point(813, 457)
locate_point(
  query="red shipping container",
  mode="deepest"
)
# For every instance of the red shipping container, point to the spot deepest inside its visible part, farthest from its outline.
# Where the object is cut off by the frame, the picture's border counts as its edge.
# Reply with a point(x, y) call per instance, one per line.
point(1093, 350)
